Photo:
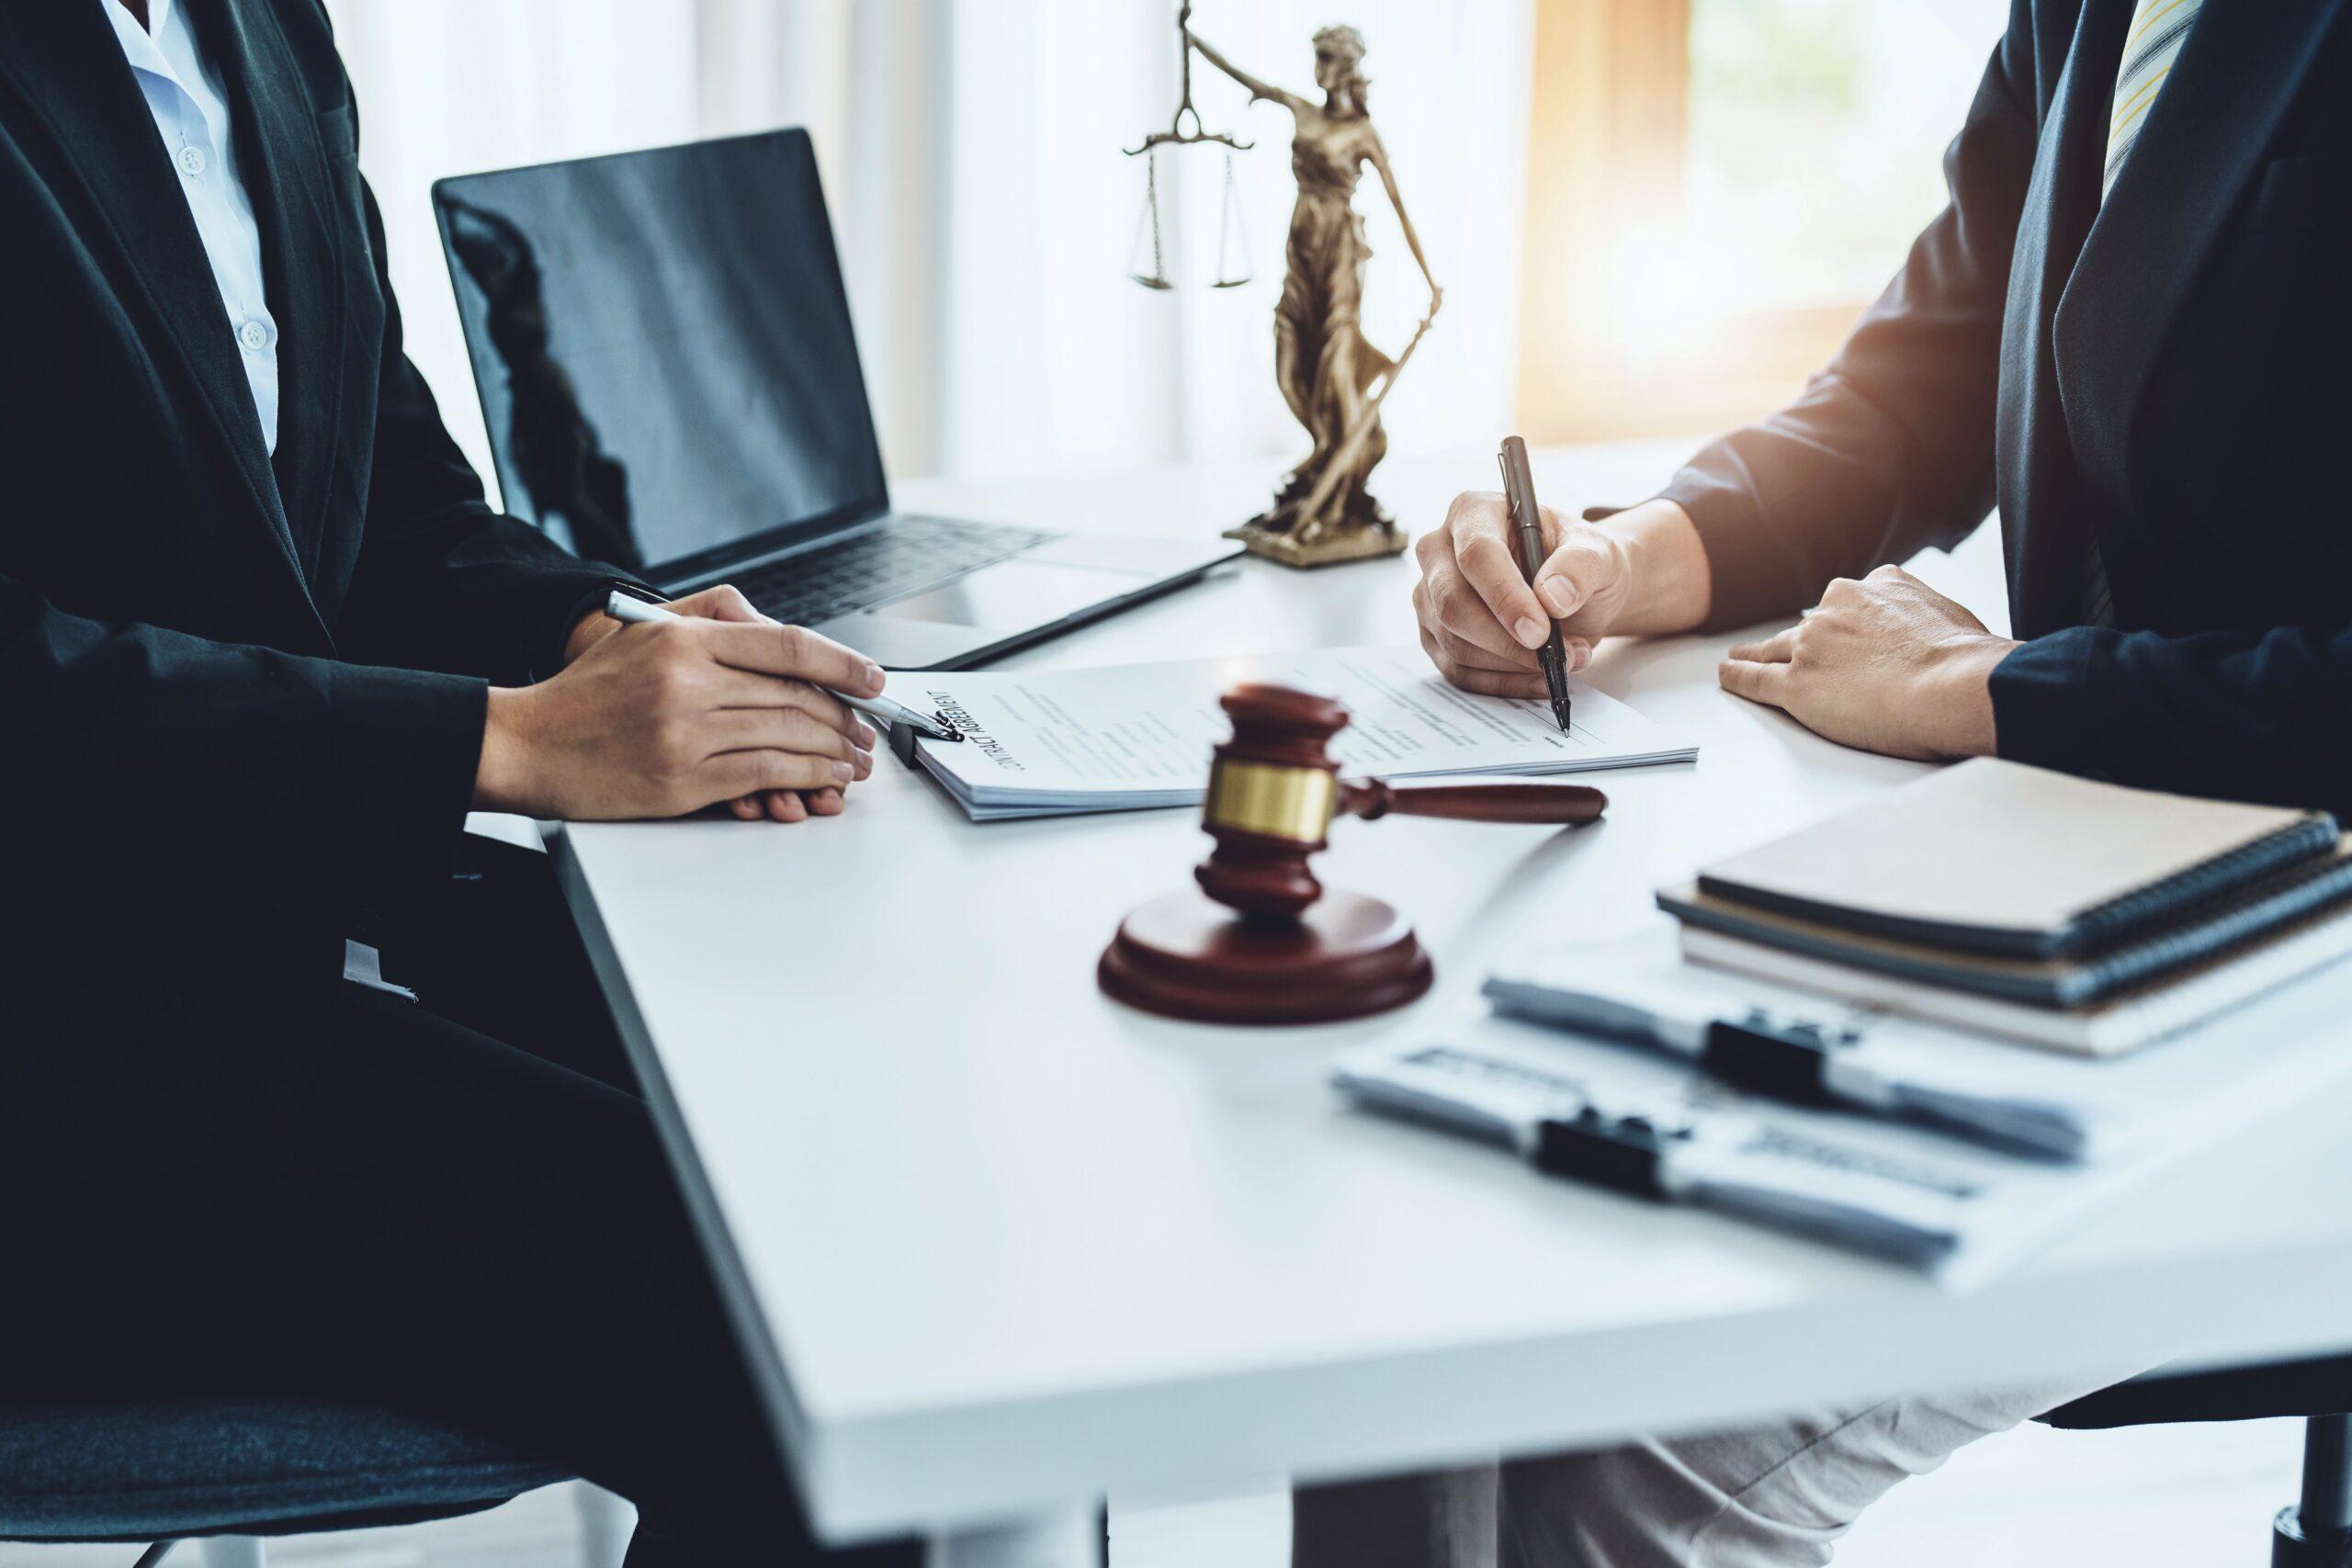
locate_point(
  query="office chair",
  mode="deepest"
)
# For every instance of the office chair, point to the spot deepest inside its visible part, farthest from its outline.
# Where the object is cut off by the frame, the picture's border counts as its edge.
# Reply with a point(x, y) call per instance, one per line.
point(230, 1471)
point(2316, 1530)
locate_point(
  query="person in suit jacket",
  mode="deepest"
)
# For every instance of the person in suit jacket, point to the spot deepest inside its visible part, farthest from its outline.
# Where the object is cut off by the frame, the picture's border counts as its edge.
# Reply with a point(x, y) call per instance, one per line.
point(2127, 331)
point(262, 646)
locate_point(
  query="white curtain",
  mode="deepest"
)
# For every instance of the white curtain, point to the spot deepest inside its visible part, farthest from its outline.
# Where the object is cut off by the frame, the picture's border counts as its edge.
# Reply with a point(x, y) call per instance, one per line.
point(970, 150)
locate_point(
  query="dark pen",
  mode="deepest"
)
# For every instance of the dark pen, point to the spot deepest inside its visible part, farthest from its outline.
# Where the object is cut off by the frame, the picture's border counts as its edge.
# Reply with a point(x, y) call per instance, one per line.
point(1527, 536)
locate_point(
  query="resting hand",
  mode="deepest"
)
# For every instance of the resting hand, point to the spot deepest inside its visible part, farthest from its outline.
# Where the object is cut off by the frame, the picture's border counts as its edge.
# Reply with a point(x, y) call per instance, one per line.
point(663, 719)
point(725, 603)
point(1886, 664)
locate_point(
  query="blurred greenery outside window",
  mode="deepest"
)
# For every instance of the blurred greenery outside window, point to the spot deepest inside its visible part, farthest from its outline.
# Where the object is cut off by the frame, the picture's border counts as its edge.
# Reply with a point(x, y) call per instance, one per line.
point(1816, 135)
point(1716, 188)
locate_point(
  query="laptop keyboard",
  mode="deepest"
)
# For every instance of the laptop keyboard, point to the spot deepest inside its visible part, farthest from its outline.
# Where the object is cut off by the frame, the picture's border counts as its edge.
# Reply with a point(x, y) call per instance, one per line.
point(911, 554)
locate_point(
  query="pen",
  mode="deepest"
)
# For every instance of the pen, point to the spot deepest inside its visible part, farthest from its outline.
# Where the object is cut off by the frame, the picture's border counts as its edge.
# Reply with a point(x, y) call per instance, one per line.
point(629, 607)
point(1527, 534)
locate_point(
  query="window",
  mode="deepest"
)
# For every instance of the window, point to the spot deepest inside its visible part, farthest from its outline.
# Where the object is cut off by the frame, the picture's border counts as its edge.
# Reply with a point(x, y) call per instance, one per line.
point(1716, 190)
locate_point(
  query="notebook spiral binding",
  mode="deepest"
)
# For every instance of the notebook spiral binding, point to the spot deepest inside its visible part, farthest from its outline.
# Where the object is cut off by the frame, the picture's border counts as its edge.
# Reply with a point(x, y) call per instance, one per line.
point(2108, 923)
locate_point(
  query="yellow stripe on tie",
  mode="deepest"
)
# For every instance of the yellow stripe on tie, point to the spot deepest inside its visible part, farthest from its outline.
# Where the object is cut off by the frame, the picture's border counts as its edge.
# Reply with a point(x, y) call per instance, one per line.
point(2140, 29)
point(2137, 107)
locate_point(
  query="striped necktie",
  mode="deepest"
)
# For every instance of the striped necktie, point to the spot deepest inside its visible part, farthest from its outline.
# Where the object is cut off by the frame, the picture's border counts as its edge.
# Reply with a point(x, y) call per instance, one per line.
point(2158, 30)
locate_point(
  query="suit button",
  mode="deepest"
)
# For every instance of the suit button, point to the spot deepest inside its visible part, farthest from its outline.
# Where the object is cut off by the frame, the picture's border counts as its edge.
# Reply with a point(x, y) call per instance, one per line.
point(192, 161)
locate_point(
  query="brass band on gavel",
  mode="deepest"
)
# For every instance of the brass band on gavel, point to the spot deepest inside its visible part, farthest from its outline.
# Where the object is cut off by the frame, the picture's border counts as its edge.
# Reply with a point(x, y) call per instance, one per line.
point(1272, 801)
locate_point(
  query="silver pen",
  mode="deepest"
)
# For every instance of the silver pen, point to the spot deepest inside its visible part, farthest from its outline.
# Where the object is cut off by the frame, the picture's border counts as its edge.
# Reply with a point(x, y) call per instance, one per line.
point(629, 607)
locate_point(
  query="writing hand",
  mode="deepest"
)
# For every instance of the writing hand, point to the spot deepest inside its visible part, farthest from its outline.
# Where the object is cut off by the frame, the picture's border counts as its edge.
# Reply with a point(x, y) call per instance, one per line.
point(1885, 664)
point(1481, 624)
point(663, 719)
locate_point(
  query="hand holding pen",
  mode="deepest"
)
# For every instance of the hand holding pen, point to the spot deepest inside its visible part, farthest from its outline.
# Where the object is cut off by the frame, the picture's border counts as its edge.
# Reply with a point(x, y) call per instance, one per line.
point(665, 720)
point(1642, 572)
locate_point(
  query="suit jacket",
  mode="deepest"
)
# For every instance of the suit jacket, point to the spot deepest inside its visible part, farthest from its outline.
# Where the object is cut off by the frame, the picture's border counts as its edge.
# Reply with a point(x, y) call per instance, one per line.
point(244, 698)
point(2169, 374)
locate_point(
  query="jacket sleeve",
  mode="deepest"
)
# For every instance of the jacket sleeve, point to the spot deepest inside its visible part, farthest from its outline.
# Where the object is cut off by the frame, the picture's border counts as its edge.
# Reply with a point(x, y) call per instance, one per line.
point(444, 582)
point(1890, 448)
point(2255, 716)
point(173, 778)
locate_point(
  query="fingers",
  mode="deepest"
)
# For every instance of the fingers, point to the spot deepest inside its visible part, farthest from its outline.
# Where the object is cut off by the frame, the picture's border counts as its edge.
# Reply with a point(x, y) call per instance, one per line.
point(1445, 605)
point(731, 689)
point(1479, 528)
point(754, 772)
point(1582, 566)
point(723, 603)
point(1776, 650)
point(784, 729)
point(789, 804)
point(1499, 684)
point(796, 653)
point(1759, 683)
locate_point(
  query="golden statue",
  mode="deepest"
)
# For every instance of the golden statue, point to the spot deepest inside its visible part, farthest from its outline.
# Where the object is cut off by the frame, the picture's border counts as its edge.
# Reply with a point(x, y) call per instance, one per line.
point(1332, 379)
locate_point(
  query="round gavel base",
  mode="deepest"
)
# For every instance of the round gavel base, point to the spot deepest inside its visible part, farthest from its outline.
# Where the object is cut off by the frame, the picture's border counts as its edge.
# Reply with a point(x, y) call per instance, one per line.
point(1186, 956)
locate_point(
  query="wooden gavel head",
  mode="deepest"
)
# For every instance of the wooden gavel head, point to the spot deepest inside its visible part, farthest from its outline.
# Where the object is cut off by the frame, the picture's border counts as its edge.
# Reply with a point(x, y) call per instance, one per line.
point(1274, 788)
point(1262, 942)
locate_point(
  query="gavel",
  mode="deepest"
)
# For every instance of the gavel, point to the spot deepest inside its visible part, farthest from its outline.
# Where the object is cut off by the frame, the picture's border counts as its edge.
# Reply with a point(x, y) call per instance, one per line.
point(1262, 942)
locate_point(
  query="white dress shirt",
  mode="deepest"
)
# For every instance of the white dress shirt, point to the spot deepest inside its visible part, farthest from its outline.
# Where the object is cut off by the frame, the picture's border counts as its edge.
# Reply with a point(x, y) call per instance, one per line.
point(191, 112)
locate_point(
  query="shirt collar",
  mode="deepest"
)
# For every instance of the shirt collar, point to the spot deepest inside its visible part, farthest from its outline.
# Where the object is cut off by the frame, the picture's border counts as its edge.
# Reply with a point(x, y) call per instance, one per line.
point(143, 47)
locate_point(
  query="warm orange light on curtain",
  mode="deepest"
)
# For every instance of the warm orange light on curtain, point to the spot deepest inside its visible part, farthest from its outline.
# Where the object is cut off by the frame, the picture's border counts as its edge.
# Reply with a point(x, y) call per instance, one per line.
point(1628, 328)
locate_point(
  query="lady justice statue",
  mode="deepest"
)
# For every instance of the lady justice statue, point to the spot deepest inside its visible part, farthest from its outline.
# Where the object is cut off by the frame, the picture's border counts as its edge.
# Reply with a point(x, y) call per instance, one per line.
point(1331, 378)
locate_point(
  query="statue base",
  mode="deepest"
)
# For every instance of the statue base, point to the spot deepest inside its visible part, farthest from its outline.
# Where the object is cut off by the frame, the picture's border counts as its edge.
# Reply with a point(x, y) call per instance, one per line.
point(1332, 548)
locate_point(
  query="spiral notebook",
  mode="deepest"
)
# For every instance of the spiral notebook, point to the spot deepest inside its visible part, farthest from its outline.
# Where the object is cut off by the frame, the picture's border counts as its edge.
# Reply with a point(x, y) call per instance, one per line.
point(2225, 926)
point(1995, 857)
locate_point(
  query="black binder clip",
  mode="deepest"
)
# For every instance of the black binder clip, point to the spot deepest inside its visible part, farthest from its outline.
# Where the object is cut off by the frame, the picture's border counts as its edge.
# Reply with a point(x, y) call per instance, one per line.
point(902, 743)
point(1623, 1153)
point(1782, 1058)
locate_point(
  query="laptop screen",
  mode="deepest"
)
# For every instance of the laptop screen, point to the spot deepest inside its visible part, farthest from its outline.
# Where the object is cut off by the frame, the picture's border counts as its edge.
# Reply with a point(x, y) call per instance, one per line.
point(663, 351)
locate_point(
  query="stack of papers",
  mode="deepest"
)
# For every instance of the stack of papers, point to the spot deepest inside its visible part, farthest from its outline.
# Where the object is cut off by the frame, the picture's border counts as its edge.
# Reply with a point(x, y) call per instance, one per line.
point(1133, 737)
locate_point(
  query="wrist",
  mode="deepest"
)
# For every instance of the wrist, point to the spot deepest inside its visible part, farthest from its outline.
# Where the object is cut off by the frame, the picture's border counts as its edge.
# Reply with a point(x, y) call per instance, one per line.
point(591, 628)
point(1667, 564)
point(1964, 696)
point(502, 777)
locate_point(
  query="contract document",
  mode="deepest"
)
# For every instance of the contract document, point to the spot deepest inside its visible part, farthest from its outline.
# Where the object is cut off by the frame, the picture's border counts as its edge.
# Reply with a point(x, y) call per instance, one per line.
point(1131, 737)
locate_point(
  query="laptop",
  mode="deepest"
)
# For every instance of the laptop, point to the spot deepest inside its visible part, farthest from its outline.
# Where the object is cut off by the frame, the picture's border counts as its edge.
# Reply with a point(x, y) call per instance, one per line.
point(662, 345)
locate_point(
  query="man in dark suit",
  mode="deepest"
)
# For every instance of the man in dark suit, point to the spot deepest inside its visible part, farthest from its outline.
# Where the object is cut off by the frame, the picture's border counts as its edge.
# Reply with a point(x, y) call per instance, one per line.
point(2129, 331)
point(262, 646)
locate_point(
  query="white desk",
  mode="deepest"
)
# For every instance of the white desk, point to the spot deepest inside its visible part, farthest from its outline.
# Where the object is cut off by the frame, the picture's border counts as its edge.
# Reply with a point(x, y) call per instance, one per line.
point(1003, 1246)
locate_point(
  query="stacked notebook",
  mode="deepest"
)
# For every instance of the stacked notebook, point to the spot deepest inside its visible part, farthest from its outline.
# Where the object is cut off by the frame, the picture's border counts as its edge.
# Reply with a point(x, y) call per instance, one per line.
point(2001, 898)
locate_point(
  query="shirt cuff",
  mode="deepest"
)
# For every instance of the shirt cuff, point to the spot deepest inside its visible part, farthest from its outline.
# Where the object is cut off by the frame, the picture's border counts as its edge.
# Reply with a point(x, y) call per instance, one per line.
point(2042, 702)
point(550, 659)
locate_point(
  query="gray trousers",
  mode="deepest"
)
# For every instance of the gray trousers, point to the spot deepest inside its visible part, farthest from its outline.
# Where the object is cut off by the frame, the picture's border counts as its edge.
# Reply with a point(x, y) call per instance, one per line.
point(1770, 1496)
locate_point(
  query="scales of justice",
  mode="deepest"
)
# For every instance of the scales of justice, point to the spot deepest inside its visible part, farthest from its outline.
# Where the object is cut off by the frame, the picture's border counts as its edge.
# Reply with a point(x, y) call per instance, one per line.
point(1333, 380)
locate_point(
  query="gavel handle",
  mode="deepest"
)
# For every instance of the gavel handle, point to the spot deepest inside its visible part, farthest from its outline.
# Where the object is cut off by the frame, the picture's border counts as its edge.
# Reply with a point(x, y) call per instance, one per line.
point(1554, 804)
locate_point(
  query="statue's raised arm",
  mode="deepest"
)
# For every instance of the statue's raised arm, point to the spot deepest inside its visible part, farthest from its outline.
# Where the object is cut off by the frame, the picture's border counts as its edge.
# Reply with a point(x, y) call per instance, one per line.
point(1256, 88)
point(1379, 157)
